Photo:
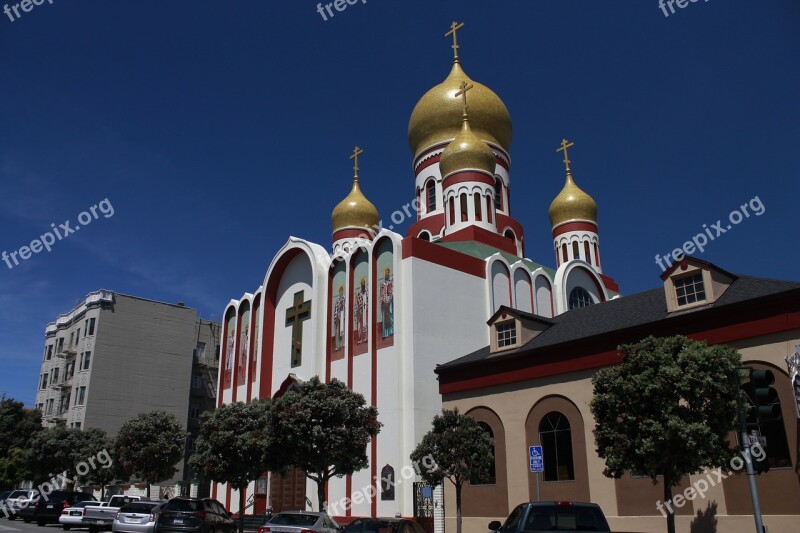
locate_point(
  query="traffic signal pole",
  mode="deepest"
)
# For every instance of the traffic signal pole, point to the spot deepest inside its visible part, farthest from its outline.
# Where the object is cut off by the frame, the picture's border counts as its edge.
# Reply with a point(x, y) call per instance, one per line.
point(751, 475)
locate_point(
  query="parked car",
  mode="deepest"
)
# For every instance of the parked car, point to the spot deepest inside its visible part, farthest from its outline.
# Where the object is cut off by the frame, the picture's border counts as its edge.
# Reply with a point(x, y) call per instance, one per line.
point(383, 525)
point(533, 517)
point(48, 511)
point(300, 522)
point(194, 515)
point(136, 517)
point(100, 517)
point(16, 501)
point(72, 516)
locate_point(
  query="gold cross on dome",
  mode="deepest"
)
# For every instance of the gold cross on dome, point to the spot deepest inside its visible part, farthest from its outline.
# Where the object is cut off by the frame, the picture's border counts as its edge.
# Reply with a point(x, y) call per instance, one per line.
point(357, 151)
point(564, 145)
point(464, 87)
point(454, 27)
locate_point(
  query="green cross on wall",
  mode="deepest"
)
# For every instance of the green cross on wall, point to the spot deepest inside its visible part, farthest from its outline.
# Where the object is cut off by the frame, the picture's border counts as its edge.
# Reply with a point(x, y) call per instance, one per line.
point(295, 316)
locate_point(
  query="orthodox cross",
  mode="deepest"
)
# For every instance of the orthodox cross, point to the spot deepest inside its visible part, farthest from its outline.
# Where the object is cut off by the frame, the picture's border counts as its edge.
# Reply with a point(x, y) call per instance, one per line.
point(357, 151)
point(463, 92)
point(295, 316)
point(564, 145)
point(454, 27)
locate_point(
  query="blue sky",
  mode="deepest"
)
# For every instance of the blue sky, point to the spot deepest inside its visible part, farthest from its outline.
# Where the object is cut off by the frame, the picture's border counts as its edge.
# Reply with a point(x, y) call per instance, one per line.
point(218, 129)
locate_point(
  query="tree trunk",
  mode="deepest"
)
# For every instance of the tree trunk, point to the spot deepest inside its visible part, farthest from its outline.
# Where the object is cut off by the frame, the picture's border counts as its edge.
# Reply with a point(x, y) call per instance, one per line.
point(102, 492)
point(321, 493)
point(668, 503)
point(458, 507)
point(241, 508)
point(148, 488)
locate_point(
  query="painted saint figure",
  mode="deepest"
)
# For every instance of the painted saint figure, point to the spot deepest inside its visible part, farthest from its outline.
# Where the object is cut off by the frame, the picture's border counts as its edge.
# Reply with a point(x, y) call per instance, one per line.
point(339, 306)
point(360, 312)
point(230, 352)
point(243, 345)
point(386, 286)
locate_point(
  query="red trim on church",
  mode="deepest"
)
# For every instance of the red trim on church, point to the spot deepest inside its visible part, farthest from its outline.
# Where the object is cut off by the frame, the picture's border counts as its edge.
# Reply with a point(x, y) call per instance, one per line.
point(574, 226)
point(735, 322)
point(445, 257)
point(432, 223)
point(609, 283)
point(478, 234)
point(354, 233)
point(431, 160)
point(467, 176)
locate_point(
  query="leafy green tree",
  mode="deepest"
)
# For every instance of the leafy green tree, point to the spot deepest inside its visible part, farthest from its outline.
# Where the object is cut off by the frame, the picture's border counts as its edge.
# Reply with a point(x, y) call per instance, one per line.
point(149, 446)
point(232, 444)
point(666, 410)
point(322, 429)
point(53, 451)
point(461, 451)
point(95, 443)
point(17, 424)
point(14, 467)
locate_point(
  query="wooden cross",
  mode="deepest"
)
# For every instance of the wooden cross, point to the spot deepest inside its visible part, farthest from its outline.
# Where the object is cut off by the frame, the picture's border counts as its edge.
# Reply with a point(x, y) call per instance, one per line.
point(463, 92)
point(357, 151)
point(295, 316)
point(564, 145)
point(454, 27)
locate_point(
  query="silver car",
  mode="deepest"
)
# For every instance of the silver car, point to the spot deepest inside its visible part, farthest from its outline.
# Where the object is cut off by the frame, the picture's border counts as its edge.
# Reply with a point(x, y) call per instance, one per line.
point(72, 516)
point(300, 522)
point(136, 517)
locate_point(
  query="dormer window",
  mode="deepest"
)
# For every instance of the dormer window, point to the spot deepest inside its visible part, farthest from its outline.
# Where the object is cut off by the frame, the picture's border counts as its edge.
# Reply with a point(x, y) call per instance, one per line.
point(507, 334)
point(690, 289)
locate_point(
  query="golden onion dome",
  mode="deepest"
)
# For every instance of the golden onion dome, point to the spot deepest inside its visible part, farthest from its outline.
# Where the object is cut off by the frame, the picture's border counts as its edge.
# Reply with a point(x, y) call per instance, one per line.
point(465, 152)
point(437, 116)
point(355, 211)
point(572, 204)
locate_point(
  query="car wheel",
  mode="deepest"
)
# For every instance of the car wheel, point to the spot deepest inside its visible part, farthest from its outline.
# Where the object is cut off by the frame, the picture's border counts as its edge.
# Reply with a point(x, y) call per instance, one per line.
point(41, 523)
point(26, 520)
point(93, 529)
point(12, 517)
point(66, 528)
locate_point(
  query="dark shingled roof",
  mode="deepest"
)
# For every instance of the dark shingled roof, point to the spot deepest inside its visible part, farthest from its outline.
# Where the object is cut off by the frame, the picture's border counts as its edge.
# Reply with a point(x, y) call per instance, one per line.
point(626, 312)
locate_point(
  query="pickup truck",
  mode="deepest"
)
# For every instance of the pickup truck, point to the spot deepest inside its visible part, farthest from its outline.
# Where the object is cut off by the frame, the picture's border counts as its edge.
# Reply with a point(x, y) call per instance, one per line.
point(100, 517)
point(546, 516)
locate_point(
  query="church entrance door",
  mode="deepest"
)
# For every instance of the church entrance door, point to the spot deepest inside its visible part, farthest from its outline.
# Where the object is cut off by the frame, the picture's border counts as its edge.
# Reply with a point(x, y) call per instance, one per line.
point(288, 492)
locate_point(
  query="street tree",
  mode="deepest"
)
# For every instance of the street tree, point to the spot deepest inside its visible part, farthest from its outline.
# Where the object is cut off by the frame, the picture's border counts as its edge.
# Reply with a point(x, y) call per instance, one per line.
point(149, 446)
point(232, 446)
point(322, 429)
point(52, 452)
point(96, 451)
point(666, 410)
point(460, 449)
point(17, 425)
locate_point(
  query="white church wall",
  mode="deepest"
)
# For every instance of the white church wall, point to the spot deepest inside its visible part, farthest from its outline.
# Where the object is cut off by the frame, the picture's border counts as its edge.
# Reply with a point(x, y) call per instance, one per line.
point(362, 384)
point(544, 295)
point(390, 392)
point(523, 292)
point(500, 282)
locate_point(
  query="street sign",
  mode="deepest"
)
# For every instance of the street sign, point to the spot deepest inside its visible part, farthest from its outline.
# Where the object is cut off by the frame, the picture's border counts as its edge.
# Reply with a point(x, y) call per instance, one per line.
point(536, 458)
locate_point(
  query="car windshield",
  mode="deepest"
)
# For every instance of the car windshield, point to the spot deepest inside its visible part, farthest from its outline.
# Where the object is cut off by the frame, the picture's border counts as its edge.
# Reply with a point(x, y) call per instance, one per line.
point(138, 507)
point(183, 505)
point(19, 494)
point(566, 518)
point(294, 519)
point(83, 504)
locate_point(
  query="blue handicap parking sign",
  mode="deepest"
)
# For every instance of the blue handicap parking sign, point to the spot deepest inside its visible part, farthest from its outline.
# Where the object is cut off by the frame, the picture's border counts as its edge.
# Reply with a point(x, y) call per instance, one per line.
point(537, 460)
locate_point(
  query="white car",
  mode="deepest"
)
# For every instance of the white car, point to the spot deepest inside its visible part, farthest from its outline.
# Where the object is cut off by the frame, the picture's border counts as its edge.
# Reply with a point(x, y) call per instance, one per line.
point(73, 516)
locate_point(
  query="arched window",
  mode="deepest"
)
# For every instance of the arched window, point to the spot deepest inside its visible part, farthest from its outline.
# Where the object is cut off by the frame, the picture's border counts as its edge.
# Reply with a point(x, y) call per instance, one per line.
point(580, 297)
point(777, 448)
point(575, 253)
point(555, 435)
point(477, 198)
point(464, 207)
point(430, 193)
point(498, 195)
point(564, 253)
point(596, 255)
point(586, 253)
point(452, 211)
point(425, 236)
point(492, 479)
point(387, 483)
point(489, 209)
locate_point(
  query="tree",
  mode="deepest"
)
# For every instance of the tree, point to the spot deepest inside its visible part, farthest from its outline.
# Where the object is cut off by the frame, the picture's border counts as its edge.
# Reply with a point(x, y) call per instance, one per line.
point(53, 451)
point(95, 443)
point(461, 451)
point(17, 425)
point(150, 445)
point(666, 410)
point(233, 444)
point(322, 429)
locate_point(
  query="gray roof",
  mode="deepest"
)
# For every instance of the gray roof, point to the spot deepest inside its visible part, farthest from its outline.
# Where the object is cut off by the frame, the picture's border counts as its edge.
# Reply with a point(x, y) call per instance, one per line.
point(626, 312)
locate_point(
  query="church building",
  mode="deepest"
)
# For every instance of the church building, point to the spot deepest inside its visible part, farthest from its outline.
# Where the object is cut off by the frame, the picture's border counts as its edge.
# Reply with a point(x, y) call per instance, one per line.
point(380, 311)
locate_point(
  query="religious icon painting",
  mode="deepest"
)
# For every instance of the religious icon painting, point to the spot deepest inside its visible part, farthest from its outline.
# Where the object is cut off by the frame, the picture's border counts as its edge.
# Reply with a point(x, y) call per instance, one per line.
point(256, 340)
point(244, 343)
point(230, 348)
point(338, 309)
point(385, 293)
point(360, 305)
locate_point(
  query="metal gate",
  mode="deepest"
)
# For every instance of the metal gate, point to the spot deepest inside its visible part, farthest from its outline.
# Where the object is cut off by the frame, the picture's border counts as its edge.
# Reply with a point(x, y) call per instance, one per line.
point(429, 507)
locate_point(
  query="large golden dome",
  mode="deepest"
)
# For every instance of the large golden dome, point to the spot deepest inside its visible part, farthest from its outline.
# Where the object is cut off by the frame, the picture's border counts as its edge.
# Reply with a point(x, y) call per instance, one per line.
point(355, 211)
point(572, 204)
point(437, 116)
point(465, 152)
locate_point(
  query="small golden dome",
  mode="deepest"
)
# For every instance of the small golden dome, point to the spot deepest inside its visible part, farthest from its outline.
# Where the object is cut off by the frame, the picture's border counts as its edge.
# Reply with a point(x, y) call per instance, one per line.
point(466, 151)
point(437, 116)
point(355, 211)
point(572, 204)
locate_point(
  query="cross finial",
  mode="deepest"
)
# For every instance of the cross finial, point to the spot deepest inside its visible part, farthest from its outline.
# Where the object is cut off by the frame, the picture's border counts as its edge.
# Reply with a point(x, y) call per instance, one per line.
point(564, 145)
point(464, 87)
point(357, 151)
point(454, 27)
